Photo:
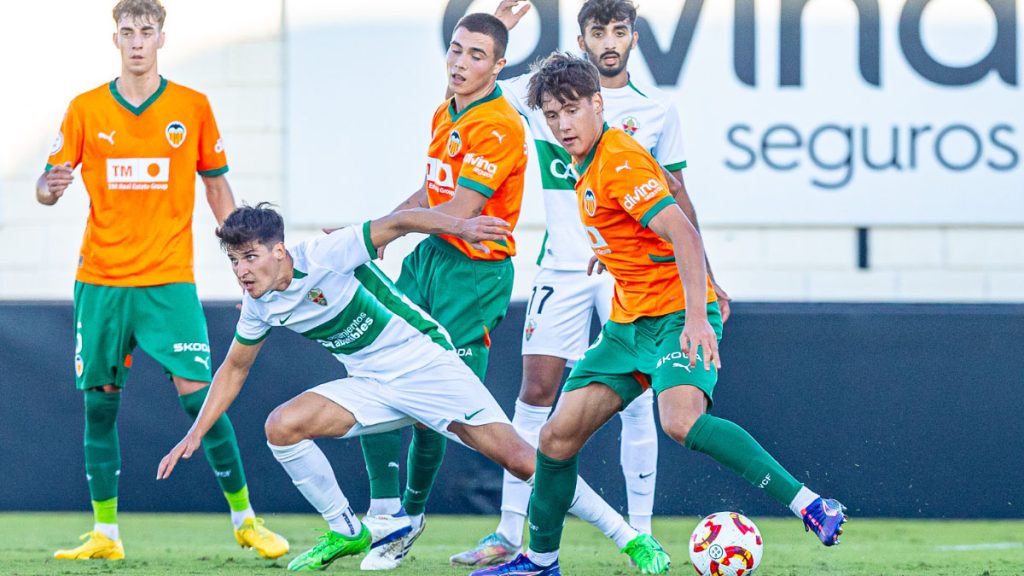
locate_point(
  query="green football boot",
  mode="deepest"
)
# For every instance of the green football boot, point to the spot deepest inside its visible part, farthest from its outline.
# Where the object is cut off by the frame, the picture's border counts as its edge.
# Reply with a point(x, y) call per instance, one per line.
point(647, 554)
point(329, 548)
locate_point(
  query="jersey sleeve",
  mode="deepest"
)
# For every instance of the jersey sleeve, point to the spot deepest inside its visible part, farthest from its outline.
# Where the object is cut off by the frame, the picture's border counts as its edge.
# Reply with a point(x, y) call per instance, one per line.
point(212, 159)
point(495, 149)
point(516, 91)
point(638, 185)
point(251, 328)
point(669, 151)
point(344, 250)
point(67, 147)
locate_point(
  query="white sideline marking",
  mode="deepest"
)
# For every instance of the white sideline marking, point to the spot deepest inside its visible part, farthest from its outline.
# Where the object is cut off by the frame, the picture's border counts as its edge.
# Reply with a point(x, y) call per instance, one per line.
point(974, 547)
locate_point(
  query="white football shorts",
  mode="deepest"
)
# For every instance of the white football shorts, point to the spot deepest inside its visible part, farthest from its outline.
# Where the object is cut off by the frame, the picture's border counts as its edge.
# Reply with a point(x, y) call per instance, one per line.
point(442, 392)
point(559, 311)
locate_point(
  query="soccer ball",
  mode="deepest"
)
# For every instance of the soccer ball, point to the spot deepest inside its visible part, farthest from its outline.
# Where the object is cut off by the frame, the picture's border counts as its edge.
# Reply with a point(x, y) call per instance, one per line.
point(726, 544)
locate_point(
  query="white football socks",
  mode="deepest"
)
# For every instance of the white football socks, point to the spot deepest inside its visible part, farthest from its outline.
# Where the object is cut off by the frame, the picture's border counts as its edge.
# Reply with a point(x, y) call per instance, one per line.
point(237, 518)
point(591, 508)
point(802, 500)
point(108, 530)
point(638, 454)
point(515, 493)
point(312, 474)
point(384, 506)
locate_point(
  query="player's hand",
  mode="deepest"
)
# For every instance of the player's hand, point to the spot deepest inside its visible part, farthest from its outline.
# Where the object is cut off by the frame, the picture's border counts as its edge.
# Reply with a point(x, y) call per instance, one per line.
point(699, 335)
point(482, 228)
point(58, 179)
point(723, 301)
point(506, 12)
point(188, 445)
point(595, 266)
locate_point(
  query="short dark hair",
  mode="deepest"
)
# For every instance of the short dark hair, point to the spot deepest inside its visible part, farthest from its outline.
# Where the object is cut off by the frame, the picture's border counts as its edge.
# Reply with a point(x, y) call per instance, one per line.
point(490, 25)
point(565, 77)
point(605, 11)
point(248, 224)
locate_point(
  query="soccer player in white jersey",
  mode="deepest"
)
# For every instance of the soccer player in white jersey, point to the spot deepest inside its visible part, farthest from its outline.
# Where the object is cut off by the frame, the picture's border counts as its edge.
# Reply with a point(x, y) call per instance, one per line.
point(402, 367)
point(565, 293)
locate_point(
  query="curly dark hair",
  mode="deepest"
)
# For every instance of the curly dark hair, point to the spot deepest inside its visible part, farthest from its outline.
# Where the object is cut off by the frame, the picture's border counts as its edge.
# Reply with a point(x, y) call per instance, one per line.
point(564, 77)
point(248, 224)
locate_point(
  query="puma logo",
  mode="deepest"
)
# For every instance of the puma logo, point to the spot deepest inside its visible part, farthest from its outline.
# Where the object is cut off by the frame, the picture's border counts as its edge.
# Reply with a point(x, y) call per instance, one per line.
point(203, 361)
point(107, 137)
point(625, 166)
point(500, 137)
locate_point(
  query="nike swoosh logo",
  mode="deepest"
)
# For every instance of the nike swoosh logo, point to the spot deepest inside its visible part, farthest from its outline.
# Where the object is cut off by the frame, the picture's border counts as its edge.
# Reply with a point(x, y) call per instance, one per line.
point(470, 416)
point(645, 476)
point(285, 319)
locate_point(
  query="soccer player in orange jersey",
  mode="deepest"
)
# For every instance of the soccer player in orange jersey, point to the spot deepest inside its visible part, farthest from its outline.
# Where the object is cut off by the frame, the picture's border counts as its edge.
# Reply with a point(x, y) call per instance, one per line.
point(476, 163)
point(140, 140)
point(663, 332)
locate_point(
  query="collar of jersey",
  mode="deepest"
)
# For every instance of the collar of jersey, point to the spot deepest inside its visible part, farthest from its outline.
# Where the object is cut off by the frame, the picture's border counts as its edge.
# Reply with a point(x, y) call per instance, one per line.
point(494, 95)
point(140, 109)
point(581, 168)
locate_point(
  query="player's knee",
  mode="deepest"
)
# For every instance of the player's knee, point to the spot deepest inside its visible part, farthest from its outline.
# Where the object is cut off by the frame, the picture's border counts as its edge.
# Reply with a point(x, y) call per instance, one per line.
point(538, 394)
point(556, 442)
point(679, 426)
point(283, 428)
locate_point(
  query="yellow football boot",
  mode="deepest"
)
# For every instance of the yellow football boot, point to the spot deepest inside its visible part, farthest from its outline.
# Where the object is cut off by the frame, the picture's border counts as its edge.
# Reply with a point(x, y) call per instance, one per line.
point(253, 534)
point(97, 547)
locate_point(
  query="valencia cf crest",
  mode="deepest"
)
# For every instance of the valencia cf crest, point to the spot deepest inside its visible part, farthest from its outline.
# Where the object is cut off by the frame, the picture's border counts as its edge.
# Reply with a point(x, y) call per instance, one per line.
point(589, 202)
point(316, 296)
point(175, 134)
point(630, 125)
point(454, 143)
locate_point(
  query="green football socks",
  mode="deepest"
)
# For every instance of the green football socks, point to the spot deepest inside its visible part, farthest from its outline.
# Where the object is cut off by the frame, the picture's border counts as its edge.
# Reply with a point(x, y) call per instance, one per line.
point(554, 485)
point(734, 448)
point(425, 456)
point(219, 444)
point(381, 452)
point(102, 452)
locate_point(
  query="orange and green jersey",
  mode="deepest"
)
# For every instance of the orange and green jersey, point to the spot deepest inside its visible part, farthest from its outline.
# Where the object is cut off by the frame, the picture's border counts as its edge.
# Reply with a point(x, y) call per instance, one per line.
point(139, 167)
point(483, 148)
point(620, 189)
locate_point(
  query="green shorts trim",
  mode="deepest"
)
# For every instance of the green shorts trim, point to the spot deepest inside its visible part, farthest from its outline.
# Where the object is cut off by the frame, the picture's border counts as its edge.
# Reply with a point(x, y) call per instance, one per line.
point(166, 321)
point(469, 298)
point(629, 358)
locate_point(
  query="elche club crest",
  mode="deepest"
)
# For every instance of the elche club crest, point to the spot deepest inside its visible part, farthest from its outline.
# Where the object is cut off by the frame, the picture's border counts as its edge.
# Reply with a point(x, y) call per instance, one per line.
point(589, 202)
point(630, 125)
point(531, 327)
point(316, 296)
point(454, 143)
point(175, 133)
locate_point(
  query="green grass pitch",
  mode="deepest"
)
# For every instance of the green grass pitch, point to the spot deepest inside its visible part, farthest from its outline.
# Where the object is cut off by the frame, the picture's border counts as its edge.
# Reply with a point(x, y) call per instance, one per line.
point(165, 544)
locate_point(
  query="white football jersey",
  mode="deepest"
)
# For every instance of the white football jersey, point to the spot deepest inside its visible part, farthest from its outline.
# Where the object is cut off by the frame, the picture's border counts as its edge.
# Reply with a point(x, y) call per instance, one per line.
point(643, 111)
point(340, 299)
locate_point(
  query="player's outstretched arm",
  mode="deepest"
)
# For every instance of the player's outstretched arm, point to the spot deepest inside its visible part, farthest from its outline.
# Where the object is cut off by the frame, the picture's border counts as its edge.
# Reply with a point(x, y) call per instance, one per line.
point(418, 199)
point(678, 190)
point(673, 226)
point(51, 184)
point(431, 221)
point(219, 197)
point(227, 383)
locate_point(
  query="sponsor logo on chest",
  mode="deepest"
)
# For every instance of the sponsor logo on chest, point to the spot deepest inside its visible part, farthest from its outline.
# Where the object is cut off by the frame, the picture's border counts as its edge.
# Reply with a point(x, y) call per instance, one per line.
point(138, 173)
point(440, 177)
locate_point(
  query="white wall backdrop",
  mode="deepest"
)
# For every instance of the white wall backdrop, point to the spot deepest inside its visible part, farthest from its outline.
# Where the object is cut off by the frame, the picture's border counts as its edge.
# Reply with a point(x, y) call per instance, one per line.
point(325, 106)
